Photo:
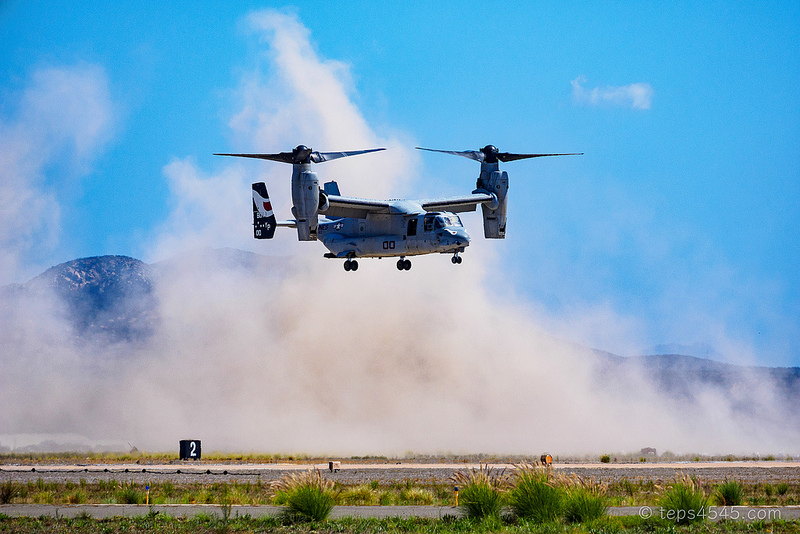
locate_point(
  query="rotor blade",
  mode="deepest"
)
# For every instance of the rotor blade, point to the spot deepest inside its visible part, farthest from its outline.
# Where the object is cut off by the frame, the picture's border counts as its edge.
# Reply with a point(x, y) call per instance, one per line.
point(319, 157)
point(471, 154)
point(507, 156)
point(283, 157)
point(297, 157)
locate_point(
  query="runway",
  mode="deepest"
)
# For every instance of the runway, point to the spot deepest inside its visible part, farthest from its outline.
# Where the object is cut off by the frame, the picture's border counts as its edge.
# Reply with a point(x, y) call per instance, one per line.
point(388, 473)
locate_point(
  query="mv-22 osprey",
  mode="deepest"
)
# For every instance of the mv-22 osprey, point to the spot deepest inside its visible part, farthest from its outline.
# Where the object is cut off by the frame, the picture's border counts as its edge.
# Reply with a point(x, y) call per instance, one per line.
point(363, 228)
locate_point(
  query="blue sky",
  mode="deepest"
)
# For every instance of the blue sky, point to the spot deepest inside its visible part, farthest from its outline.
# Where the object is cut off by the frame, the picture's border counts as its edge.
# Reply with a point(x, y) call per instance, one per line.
point(679, 225)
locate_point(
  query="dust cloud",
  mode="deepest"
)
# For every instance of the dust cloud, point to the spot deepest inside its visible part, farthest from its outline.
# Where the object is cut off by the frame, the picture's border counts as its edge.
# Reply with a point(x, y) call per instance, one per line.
point(294, 355)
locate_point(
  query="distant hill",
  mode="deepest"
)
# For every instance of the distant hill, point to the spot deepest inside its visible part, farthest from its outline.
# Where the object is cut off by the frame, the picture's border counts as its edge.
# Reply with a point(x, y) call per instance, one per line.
point(748, 390)
point(108, 297)
point(113, 298)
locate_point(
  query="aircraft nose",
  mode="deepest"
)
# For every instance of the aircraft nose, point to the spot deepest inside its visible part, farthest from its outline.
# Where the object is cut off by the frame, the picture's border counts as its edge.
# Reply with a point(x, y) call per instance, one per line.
point(461, 236)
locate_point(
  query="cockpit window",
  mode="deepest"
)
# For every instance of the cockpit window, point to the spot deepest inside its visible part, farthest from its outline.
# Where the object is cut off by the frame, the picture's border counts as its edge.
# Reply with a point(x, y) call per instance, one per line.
point(428, 224)
point(455, 220)
point(437, 222)
point(447, 220)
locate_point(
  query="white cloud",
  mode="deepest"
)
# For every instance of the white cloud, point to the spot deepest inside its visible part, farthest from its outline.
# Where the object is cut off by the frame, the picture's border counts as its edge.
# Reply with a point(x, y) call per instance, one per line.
point(291, 96)
point(307, 99)
point(635, 95)
point(63, 118)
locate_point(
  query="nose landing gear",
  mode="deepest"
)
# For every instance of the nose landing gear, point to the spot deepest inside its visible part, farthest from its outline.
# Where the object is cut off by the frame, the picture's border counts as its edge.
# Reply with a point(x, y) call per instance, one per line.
point(351, 265)
point(403, 264)
point(456, 259)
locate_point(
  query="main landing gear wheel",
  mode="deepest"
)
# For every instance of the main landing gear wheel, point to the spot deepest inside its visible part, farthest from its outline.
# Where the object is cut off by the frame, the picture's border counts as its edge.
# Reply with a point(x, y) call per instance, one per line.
point(456, 259)
point(351, 265)
point(403, 265)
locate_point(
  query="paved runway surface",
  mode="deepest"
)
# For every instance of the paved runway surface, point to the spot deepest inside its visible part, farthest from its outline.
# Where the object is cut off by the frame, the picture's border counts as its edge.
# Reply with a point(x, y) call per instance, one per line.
point(200, 472)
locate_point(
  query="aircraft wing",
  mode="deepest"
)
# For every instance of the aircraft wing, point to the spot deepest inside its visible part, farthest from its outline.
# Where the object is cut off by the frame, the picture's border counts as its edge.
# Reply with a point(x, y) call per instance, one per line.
point(458, 204)
point(357, 208)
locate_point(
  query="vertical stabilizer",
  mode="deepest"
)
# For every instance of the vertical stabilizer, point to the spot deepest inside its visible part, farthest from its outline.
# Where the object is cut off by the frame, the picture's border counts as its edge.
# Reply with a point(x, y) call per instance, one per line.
point(263, 218)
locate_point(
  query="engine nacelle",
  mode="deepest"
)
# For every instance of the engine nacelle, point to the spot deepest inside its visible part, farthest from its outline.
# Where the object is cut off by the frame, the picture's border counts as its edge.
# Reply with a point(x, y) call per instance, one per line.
point(323, 202)
point(306, 201)
point(494, 215)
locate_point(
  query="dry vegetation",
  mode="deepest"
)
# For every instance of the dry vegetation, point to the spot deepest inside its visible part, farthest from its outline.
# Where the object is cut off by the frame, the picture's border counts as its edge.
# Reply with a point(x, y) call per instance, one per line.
point(50, 458)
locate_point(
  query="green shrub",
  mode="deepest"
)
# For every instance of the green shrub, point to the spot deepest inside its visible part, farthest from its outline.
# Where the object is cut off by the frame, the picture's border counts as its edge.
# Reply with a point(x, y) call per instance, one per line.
point(605, 459)
point(308, 497)
point(479, 500)
point(534, 498)
point(684, 502)
point(362, 495)
point(782, 488)
point(729, 493)
point(309, 503)
point(129, 495)
point(414, 495)
point(8, 490)
point(44, 497)
point(627, 486)
point(481, 491)
point(76, 497)
point(582, 505)
point(167, 488)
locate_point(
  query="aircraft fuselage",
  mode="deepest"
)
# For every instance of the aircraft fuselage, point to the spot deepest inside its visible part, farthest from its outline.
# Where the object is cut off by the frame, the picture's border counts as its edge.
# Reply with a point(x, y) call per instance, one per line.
point(387, 235)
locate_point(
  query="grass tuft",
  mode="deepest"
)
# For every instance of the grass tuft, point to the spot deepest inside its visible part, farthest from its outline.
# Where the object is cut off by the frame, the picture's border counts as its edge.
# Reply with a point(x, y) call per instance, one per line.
point(9, 490)
point(533, 497)
point(729, 493)
point(481, 493)
point(76, 497)
point(307, 496)
point(417, 496)
point(684, 502)
point(582, 505)
point(361, 495)
point(129, 495)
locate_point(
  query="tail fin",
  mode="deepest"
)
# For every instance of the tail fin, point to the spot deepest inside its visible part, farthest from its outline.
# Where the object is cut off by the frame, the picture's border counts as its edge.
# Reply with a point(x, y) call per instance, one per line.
point(263, 219)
